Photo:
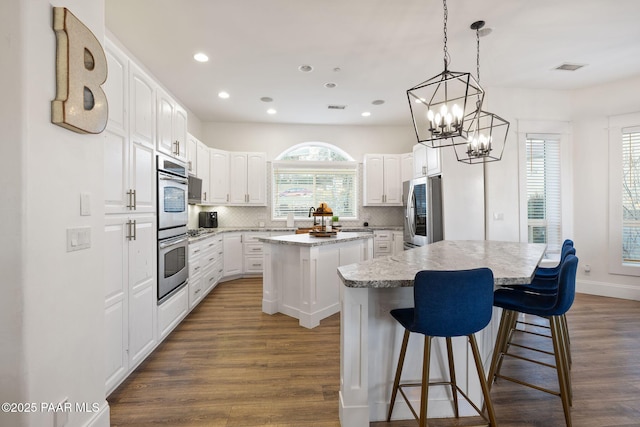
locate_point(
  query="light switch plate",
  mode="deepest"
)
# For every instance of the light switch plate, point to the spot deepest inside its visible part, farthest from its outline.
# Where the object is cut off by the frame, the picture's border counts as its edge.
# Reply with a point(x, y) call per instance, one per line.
point(85, 204)
point(78, 238)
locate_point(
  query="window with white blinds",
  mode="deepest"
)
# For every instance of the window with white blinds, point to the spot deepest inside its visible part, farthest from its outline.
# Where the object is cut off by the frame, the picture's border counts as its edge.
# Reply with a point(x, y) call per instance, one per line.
point(543, 191)
point(631, 195)
point(311, 173)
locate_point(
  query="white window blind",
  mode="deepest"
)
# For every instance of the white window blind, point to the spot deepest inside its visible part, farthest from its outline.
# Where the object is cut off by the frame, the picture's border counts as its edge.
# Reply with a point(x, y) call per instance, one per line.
point(631, 195)
point(543, 191)
point(297, 188)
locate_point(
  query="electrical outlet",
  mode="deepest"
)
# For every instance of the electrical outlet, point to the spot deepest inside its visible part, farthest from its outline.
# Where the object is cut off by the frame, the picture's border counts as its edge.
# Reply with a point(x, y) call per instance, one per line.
point(78, 238)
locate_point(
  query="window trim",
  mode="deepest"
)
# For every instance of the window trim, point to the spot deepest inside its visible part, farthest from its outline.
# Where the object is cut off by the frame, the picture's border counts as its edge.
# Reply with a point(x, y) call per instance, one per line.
point(616, 126)
point(529, 128)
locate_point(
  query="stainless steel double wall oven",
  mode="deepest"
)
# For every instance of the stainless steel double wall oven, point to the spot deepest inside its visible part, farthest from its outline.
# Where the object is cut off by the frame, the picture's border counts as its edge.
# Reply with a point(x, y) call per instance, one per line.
point(173, 272)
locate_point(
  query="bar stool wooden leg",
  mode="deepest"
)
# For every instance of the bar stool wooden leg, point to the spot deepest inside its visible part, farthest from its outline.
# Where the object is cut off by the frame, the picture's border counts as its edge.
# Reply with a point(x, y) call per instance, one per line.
point(483, 383)
point(561, 366)
point(452, 376)
point(424, 395)
point(396, 382)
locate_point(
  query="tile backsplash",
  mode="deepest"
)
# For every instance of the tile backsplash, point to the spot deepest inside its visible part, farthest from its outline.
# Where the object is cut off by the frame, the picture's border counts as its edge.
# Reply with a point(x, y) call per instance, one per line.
point(241, 216)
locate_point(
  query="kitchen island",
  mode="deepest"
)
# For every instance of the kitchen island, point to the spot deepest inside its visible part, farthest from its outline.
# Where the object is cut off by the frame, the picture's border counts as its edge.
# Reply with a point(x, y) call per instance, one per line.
point(370, 338)
point(300, 273)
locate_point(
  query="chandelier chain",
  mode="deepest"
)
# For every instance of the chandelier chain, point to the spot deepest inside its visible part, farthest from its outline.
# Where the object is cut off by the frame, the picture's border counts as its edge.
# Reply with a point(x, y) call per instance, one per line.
point(478, 55)
point(447, 58)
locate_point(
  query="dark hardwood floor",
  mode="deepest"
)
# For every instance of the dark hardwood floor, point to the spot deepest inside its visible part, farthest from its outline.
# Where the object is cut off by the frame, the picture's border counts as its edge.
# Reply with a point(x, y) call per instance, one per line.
point(229, 364)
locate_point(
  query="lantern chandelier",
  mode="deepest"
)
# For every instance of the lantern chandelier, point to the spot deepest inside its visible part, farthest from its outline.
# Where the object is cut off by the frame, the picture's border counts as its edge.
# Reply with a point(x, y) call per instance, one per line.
point(442, 105)
point(486, 134)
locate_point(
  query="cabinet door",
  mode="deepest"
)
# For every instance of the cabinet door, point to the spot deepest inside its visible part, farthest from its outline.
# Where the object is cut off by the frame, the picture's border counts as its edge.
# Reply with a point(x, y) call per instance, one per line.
point(165, 123)
point(115, 281)
point(116, 172)
point(219, 176)
point(233, 255)
point(392, 180)
point(116, 87)
point(142, 177)
point(419, 160)
point(373, 179)
point(179, 131)
point(433, 162)
point(257, 178)
point(203, 168)
point(407, 166)
point(142, 289)
point(192, 155)
point(238, 178)
point(142, 99)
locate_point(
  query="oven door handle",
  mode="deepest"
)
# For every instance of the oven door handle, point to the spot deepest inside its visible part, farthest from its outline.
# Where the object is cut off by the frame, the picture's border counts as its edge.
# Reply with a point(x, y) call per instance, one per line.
point(173, 178)
point(172, 242)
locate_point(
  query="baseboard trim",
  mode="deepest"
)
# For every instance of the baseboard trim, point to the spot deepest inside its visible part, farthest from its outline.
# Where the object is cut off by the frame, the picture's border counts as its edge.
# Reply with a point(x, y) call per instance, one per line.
point(613, 290)
point(100, 418)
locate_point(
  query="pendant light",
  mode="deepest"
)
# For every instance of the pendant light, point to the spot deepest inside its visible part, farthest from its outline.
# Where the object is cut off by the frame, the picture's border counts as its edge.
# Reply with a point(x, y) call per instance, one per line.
point(486, 132)
point(442, 105)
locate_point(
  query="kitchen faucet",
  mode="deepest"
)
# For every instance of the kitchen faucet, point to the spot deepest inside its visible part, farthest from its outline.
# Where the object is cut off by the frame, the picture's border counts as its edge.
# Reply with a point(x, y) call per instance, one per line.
point(312, 209)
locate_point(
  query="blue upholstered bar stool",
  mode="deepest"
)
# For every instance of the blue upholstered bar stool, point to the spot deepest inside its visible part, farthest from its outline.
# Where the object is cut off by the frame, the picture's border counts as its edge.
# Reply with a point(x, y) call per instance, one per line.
point(446, 304)
point(552, 307)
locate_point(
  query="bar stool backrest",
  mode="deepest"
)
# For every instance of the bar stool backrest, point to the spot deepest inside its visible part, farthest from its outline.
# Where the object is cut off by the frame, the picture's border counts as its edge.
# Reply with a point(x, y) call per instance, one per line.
point(566, 286)
point(452, 303)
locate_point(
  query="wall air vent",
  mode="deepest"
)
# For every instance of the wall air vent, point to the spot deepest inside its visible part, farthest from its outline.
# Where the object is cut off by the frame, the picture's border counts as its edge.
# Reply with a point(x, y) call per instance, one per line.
point(569, 67)
point(336, 107)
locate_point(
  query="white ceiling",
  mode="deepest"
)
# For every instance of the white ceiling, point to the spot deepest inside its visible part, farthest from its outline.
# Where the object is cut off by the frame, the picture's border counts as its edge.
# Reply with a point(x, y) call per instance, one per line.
point(382, 48)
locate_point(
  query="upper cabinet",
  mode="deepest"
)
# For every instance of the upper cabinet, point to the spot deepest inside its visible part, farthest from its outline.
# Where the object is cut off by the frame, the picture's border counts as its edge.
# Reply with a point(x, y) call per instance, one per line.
point(426, 161)
point(172, 127)
point(192, 154)
point(247, 179)
point(382, 180)
point(219, 176)
point(203, 170)
point(129, 160)
point(406, 160)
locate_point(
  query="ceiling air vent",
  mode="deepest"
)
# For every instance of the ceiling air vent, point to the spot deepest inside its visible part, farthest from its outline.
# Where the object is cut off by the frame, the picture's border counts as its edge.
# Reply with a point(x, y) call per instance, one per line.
point(336, 107)
point(569, 67)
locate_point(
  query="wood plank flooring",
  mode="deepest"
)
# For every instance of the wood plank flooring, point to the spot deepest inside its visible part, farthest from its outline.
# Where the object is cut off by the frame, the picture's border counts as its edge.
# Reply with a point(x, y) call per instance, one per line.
point(228, 364)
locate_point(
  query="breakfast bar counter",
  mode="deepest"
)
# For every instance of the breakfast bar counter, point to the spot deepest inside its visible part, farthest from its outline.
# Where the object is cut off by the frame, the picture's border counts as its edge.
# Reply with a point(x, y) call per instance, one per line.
point(300, 273)
point(370, 338)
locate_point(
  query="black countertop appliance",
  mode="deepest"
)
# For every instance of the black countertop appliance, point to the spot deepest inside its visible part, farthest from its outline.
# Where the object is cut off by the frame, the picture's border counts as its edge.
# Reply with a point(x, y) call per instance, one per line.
point(208, 219)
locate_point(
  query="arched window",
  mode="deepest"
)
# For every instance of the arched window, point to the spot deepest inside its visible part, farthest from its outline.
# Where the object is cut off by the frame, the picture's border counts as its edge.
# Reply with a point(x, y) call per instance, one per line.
point(311, 173)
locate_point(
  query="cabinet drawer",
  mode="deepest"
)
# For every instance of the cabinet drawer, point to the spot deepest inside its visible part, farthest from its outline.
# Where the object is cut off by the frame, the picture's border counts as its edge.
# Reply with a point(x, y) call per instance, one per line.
point(253, 248)
point(253, 237)
point(253, 264)
point(383, 247)
point(382, 235)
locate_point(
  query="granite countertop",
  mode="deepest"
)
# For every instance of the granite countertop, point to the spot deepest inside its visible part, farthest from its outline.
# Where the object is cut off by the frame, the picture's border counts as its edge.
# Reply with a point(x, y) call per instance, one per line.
point(205, 233)
point(308, 240)
point(512, 263)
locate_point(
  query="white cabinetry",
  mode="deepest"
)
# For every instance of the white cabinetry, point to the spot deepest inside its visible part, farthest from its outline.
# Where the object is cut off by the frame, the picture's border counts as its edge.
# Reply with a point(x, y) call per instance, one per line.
point(192, 154)
point(253, 252)
point(398, 242)
point(203, 171)
point(382, 243)
point(130, 272)
point(205, 267)
point(172, 126)
point(172, 311)
point(233, 251)
point(406, 161)
point(247, 179)
point(129, 161)
point(382, 180)
point(219, 176)
point(426, 161)
point(130, 293)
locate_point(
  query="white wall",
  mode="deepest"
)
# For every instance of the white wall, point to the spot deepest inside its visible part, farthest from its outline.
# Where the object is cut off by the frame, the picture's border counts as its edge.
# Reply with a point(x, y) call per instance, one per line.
point(58, 319)
point(276, 138)
point(590, 111)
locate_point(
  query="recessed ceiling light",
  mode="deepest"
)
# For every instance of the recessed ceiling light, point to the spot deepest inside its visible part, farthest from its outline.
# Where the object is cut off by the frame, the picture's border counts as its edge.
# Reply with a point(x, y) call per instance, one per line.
point(201, 57)
point(366, 114)
point(266, 99)
point(271, 111)
point(223, 95)
point(330, 85)
point(305, 68)
point(378, 102)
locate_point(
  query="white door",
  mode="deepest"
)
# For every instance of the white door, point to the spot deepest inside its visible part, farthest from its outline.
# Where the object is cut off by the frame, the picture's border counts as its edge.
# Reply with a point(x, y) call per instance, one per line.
point(392, 179)
point(238, 178)
point(373, 179)
point(203, 168)
point(219, 176)
point(165, 124)
point(233, 254)
point(257, 178)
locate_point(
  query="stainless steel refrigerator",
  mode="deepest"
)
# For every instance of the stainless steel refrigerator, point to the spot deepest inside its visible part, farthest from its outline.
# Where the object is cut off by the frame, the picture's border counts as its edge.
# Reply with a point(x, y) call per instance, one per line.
point(422, 201)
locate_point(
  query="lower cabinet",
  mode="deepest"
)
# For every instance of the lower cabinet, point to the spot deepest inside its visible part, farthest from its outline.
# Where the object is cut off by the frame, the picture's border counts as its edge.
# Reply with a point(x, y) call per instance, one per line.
point(172, 311)
point(253, 253)
point(130, 294)
point(232, 247)
point(205, 267)
point(387, 242)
